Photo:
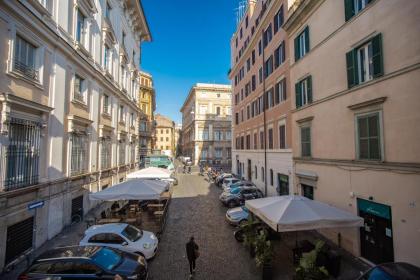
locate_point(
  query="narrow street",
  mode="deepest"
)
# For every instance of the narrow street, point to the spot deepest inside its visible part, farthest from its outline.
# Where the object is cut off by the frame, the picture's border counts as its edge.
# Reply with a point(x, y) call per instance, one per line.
point(196, 210)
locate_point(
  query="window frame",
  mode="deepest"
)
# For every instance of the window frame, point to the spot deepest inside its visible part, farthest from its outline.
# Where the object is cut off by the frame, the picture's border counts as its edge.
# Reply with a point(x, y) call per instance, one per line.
point(380, 136)
point(305, 126)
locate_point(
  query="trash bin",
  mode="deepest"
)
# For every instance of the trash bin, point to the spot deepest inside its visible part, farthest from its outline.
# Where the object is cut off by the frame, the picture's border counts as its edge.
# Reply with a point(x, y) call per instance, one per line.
point(333, 264)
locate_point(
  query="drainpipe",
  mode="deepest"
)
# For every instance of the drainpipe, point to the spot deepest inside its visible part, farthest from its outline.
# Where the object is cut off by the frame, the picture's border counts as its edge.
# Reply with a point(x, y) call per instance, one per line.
point(265, 122)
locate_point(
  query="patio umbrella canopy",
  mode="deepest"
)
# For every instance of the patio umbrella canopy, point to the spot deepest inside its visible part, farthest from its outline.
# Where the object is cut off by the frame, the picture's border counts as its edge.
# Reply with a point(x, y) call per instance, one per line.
point(295, 213)
point(150, 173)
point(136, 189)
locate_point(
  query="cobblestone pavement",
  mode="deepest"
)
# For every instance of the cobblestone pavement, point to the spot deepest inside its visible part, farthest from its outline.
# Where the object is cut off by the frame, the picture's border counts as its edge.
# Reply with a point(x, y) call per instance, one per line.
point(196, 210)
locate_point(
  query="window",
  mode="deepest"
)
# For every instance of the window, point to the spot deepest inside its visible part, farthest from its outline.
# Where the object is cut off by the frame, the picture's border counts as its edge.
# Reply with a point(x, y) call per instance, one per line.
point(132, 119)
point(270, 138)
point(267, 36)
point(24, 58)
point(304, 92)
point(236, 118)
point(80, 27)
point(255, 141)
point(256, 172)
point(161, 139)
point(305, 140)
point(218, 135)
point(268, 67)
point(262, 174)
point(302, 44)
point(253, 57)
point(203, 109)
point(253, 83)
point(248, 115)
point(240, 33)
point(279, 55)
point(307, 191)
point(269, 97)
point(260, 75)
point(228, 135)
point(121, 152)
point(248, 64)
point(271, 177)
point(106, 105)
point(121, 115)
point(79, 85)
point(108, 11)
point(282, 184)
point(280, 91)
point(228, 153)
point(22, 153)
point(369, 137)
point(106, 153)
point(353, 7)
point(78, 153)
point(204, 154)
point(246, 22)
point(262, 139)
point(248, 142)
point(282, 136)
point(278, 20)
point(218, 111)
point(167, 131)
point(259, 48)
point(365, 63)
point(123, 39)
point(218, 153)
point(205, 135)
point(107, 58)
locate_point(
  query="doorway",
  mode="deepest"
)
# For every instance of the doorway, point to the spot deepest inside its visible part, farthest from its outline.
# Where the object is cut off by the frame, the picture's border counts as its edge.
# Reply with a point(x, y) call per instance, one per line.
point(376, 235)
point(249, 170)
point(19, 239)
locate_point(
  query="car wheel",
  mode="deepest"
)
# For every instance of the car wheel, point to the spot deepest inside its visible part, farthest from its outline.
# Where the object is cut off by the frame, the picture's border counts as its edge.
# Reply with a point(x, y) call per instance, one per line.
point(231, 204)
point(141, 254)
point(243, 222)
point(239, 236)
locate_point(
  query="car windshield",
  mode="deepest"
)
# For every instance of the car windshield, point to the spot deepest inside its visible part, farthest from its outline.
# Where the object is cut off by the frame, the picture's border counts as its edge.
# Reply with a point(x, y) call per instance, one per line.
point(235, 190)
point(132, 233)
point(107, 258)
point(244, 209)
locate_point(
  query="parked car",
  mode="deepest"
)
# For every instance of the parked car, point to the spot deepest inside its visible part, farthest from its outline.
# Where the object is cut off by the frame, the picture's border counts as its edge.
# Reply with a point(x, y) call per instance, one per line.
point(219, 179)
point(237, 196)
point(237, 216)
point(228, 181)
point(392, 271)
point(86, 262)
point(239, 184)
point(124, 237)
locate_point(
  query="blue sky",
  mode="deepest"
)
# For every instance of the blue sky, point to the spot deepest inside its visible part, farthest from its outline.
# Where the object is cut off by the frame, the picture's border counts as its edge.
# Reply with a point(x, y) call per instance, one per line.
point(191, 43)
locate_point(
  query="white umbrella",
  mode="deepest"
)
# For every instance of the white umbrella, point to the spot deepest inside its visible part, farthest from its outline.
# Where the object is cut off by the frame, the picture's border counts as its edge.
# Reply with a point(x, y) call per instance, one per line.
point(295, 213)
point(135, 189)
point(150, 173)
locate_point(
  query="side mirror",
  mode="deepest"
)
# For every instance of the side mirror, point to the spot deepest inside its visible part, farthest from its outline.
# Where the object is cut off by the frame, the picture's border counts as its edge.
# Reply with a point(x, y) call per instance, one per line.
point(124, 243)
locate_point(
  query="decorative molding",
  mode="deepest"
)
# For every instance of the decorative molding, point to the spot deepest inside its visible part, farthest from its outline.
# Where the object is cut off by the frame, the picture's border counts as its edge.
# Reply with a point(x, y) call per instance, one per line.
point(304, 120)
point(368, 103)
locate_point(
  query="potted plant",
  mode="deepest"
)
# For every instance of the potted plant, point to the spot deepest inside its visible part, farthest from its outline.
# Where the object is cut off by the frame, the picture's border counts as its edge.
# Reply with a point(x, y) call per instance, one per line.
point(249, 235)
point(264, 254)
point(307, 269)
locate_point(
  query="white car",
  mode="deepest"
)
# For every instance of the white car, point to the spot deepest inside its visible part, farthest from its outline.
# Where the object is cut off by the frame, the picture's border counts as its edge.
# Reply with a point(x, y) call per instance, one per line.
point(228, 181)
point(124, 237)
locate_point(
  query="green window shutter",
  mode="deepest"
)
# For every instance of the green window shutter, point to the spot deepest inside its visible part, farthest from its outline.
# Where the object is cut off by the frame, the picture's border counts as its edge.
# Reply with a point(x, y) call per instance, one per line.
point(349, 9)
point(306, 32)
point(298, 96)
point(297, 49)
point(309, 88)
point(351, 60)
point(377, 57)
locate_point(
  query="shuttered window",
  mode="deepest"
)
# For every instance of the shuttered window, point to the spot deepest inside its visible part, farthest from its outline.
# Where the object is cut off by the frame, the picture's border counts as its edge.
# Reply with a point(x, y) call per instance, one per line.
point(279, 55)
point(353, 7)
point(280, 91)
point(282, 136)
point(305, 140)
point(302, 44)
point(365, 62)
point(303, 92)
point(368, 134)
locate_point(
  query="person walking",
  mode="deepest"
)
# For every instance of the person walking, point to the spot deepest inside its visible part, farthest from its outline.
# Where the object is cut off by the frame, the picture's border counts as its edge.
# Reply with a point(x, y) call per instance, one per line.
point(192, 254)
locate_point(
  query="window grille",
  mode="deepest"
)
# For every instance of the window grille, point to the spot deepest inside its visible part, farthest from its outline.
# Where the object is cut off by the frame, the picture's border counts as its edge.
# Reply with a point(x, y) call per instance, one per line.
point(78, 153)
point(105, 154)
point(121, 152)
point(22, 154)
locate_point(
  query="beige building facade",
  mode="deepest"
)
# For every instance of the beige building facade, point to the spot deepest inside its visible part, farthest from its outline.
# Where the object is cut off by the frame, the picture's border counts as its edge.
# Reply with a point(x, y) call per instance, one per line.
point(354, 70)
point(165, 135)
point(69, 85)
point(206, 125)
point(261, 98)
point(147, 105)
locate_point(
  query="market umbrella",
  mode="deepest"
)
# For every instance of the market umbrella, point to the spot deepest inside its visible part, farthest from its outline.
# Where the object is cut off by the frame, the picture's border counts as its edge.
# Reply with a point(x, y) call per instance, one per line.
point(136, 189)
point(150, 173)
point(295, 213)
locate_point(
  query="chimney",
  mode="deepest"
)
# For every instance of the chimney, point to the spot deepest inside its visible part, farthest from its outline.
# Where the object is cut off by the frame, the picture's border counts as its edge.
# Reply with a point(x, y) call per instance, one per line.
point(251, 5)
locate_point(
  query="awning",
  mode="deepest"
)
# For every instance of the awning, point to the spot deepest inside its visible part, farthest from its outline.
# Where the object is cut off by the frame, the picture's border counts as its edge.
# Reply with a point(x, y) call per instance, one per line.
point(295, 213)
point(150, 173)
point(135, 189)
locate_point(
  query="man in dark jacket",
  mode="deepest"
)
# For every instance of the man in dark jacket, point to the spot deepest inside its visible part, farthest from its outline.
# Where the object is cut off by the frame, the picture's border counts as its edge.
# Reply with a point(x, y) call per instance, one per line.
point(192, 249)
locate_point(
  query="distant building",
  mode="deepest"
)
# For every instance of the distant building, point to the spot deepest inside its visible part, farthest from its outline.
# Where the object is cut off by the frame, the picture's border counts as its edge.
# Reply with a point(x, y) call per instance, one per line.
point(165, 135)
point(178, 139)
point(147, 103)
point(206, 124)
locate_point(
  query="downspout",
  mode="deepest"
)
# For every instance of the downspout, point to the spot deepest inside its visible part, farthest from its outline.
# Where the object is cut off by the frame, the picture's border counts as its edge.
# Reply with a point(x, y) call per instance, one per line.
point(265, 123)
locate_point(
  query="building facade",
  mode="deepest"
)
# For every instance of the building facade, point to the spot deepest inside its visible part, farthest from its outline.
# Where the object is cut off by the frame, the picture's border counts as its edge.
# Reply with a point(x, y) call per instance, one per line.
point(178, 139)
point(165, 135)
point(147, 100)
point(206, 124)
point(261, 101)
point(69, 85)
point(355, 68)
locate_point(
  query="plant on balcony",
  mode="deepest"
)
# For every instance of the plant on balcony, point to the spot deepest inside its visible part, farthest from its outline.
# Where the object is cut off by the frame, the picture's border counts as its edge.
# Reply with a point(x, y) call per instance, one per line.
point(307, 269)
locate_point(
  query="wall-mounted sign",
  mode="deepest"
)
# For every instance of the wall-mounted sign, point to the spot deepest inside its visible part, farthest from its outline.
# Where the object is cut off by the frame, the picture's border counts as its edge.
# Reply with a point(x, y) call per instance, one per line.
point(35, 205)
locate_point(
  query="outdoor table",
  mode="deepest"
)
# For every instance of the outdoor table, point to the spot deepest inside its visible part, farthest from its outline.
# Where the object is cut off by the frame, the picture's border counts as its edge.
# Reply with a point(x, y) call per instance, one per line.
point(155, 206)
point(108, 221)
point(158, 213)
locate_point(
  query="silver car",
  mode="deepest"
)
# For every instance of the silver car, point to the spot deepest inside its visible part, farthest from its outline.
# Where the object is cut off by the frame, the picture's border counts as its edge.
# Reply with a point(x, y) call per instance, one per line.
point(238, 215)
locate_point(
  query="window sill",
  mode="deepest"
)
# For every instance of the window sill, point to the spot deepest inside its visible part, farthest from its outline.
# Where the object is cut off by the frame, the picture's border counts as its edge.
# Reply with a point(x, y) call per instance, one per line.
point(121, 122)
point(106, 116)
point(80, 47)
point(79, 103)
point(33, 82)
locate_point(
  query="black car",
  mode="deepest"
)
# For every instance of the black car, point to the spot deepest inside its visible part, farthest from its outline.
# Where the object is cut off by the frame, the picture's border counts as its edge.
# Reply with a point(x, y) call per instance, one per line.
point(86, 262)
point(237, 196)
point(392, 271)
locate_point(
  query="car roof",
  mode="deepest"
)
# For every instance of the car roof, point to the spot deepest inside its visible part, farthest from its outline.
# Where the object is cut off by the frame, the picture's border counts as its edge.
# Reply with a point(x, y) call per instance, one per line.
point(401, 270)
point(106, 228)
point(69, 252)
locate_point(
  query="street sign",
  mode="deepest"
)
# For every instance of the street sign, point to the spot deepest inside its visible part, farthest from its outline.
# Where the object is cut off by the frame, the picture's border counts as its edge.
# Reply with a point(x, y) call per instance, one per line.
point(35, 205)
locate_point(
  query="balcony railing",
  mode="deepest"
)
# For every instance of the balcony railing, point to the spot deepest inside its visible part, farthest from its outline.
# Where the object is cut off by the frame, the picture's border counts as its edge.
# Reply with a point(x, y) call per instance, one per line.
point(26, 70)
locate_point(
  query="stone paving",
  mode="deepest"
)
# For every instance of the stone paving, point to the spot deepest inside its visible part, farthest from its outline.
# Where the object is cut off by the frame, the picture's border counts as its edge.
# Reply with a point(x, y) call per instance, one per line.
point(196, 210)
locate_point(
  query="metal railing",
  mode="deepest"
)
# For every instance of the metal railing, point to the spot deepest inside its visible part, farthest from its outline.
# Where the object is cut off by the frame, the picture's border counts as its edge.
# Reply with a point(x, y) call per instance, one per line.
point(26, 70)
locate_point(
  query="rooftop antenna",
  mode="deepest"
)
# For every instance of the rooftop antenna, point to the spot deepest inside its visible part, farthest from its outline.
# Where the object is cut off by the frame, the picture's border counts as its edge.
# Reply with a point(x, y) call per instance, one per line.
point(240, 11)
